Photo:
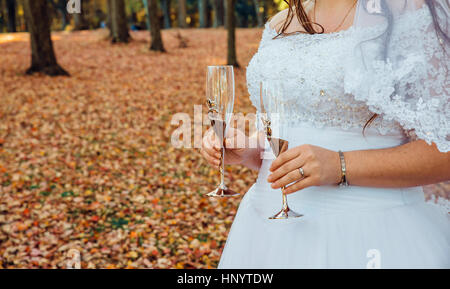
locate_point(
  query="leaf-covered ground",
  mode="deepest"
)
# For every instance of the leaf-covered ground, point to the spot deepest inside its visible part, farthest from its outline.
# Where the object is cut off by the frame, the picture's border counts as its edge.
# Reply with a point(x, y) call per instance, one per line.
point(86, 162)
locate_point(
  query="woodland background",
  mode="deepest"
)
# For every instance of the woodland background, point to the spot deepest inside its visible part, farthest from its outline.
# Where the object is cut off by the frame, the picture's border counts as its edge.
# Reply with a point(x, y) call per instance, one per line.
point(86, 102)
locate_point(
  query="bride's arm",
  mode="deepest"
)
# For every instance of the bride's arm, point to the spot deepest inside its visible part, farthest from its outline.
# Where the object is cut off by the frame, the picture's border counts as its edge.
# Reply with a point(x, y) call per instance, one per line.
point(412, 164)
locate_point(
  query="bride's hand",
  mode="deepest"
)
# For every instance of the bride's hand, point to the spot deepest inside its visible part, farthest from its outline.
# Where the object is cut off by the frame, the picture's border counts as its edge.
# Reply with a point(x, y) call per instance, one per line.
point(234, 153)
point(320, 167)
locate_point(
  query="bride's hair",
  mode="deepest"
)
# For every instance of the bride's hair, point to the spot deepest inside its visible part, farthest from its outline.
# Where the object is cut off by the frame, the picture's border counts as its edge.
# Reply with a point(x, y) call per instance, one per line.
point(309, 26)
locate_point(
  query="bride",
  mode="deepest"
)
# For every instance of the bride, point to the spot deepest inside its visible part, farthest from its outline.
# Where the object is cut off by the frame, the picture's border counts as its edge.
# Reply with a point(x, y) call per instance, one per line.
point(368, 90)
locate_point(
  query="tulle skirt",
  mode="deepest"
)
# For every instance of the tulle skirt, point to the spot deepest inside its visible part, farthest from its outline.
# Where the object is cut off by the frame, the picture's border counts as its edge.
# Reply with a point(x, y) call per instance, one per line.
point(352, 227)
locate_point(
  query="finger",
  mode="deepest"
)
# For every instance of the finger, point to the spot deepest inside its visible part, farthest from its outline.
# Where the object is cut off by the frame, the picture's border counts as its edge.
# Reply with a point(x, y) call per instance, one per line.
point(215, 162)
point(283, 158)
point(215, 155)
point(208, 147)
point(287, 179)
point(289, 166)
point(214, 141)
point(211, 139)
point(211, 151)
point(299, 185)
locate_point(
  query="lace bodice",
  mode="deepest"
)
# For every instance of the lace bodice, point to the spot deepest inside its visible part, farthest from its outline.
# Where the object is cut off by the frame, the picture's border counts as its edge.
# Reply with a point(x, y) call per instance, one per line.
point(314, 70)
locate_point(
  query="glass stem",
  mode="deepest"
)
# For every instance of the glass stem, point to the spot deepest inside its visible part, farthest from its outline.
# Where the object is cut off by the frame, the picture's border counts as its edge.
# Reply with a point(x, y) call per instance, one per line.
point(285, 204)
point(222, 168)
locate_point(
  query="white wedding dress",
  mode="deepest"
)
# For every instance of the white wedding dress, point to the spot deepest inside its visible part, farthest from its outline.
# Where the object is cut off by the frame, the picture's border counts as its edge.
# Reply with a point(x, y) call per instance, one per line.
point(350, 227)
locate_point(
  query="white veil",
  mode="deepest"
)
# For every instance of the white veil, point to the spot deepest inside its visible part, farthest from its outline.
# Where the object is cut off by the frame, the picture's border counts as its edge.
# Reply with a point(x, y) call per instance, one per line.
point(400, 65)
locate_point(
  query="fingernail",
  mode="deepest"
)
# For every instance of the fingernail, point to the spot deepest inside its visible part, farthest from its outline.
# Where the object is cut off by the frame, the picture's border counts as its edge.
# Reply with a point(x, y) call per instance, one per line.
point(273, 186)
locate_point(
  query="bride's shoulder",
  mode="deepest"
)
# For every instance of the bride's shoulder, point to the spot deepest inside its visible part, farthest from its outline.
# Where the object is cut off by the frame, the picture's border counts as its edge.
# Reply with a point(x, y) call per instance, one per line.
point(276, 22)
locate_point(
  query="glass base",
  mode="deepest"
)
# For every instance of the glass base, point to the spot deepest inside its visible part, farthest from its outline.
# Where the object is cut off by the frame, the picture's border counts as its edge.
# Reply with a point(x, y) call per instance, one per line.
point(222, 192)
point(285, 214)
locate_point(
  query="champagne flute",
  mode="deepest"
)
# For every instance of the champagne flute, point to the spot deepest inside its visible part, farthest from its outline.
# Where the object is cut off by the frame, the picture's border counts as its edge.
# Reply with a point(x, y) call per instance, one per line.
point(271, 108)
point(220, 101)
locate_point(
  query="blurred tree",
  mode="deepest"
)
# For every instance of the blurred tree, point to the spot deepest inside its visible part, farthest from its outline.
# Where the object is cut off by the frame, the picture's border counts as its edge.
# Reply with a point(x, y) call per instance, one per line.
point(2, 17)
point(155, 31)
point(80, 22)
point(271, 7)
point(266, 8)
point(209, 14)
point(119, 25)
point(147, 17)
point(165, 6)
point(79, 19)
point(43, 57)
point(245, 11)
point(259, 9)
point(97, 13)
point(202, 11)
point(182, 14)
point(109, 16)
point(60, 6)
point(231, 28)
point(11, 7)
point(218, 7)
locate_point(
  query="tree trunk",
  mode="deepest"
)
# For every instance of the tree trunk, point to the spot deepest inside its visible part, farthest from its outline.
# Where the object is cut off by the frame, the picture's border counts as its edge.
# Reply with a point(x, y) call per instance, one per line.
point(231, 28)
point(119, 22)
point(42, 54)
point(155, 31)
point(60, 7)
point(259, 14)
point(165, 6)
point(209, 20)
point(182, 14)
point(202, 11)
point(11, 7)
point(64, 21)
point(218, 7)
point(80, 22)
point(109, 19)
point(225, 18)
point(220, 12)
point(266, 8)
point(270, 8)
point(2, 17)
point(147, 18)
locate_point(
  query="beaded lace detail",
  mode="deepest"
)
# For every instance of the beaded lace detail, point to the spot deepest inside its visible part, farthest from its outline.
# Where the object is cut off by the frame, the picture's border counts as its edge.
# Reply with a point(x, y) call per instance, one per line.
point(314, 70)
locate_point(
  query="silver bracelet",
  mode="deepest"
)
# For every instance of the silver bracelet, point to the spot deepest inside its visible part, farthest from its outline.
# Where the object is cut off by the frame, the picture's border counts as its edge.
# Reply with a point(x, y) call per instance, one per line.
point(343, 182)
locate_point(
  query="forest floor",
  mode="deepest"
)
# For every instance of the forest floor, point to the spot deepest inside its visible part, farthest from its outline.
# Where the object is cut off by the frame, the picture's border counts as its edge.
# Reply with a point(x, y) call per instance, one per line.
point(86, 161)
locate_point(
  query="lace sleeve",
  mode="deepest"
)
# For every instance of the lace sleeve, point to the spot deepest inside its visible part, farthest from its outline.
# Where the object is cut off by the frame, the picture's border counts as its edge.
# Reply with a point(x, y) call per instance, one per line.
point(411, 86)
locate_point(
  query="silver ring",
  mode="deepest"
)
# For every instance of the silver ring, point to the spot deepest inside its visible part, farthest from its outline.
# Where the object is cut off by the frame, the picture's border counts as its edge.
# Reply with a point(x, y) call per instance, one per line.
point(301, 172)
